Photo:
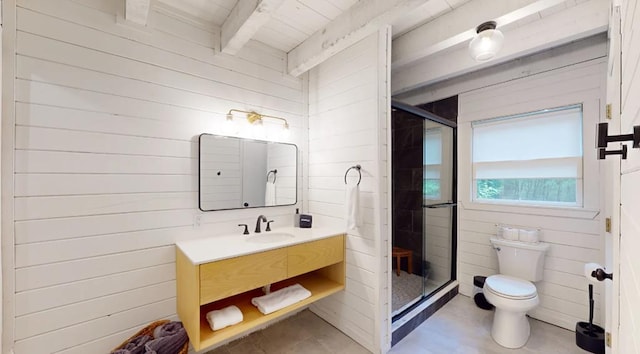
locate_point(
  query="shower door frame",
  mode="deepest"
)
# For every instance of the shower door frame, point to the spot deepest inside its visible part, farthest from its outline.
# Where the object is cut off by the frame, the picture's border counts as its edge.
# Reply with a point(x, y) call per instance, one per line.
point(454, 196)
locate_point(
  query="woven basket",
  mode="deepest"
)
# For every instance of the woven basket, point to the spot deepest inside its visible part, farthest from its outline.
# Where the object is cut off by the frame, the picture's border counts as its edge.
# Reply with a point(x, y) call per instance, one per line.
point(148, 331)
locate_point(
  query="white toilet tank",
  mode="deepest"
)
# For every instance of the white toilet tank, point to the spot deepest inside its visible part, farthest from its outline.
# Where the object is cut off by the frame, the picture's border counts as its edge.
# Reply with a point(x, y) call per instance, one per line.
point(520, 259)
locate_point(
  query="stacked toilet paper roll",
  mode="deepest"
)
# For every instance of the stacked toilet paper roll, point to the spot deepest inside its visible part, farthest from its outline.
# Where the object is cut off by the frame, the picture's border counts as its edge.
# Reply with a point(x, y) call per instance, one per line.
point(589, 268)
point(509, 233)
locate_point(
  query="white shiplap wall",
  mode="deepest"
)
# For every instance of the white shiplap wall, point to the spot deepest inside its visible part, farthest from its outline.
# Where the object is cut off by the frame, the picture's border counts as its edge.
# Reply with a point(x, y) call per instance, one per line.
point(106, 125)
point(348, 120)
point(630, 192)
point(574, 238)
point(557, 78)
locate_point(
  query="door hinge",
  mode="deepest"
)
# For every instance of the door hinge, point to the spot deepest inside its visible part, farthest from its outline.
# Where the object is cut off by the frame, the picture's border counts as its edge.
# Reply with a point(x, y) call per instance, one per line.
point(607, 224)
point(607, 339)
point(608, 110)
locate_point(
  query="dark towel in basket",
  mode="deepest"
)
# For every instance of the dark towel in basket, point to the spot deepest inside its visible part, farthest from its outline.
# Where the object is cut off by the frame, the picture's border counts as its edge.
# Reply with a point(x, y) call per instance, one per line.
point(134, 346)
point(169, 339)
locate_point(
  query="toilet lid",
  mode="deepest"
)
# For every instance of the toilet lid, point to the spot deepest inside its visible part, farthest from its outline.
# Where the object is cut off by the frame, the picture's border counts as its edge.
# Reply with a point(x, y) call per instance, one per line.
point(510, 287)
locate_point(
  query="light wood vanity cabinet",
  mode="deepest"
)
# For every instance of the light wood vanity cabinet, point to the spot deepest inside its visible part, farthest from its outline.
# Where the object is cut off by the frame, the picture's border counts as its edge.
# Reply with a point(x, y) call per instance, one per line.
point(318, 265)
point(228, 277)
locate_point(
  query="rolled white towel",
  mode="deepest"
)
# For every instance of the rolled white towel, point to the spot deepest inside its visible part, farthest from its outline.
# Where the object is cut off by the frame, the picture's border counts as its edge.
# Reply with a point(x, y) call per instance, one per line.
point(219, 319)
point(280, 299)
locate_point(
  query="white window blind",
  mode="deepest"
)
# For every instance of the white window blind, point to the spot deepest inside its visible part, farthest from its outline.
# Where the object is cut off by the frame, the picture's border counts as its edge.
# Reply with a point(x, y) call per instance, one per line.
point(539, 145)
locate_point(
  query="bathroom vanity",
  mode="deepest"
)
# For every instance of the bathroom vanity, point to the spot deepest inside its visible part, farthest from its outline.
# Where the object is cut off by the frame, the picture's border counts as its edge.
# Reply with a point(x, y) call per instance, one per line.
point(220, 271)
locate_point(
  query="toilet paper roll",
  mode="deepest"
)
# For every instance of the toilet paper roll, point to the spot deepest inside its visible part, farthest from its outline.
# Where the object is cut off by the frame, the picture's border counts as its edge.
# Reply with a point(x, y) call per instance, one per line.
point(588, 269)
point(510, 234)
point(529, 236)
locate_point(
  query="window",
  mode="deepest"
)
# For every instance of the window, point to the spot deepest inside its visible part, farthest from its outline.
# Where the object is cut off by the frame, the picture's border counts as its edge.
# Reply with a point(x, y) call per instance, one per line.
point(531, 158)
point(432, 157)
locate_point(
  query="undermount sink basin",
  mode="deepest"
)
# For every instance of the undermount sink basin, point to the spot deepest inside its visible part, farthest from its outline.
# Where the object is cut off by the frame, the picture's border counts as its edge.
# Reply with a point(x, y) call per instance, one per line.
point(270, 237)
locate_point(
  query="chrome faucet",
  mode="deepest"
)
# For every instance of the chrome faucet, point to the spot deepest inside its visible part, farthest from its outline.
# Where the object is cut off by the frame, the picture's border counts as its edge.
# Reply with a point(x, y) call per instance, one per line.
point(260, 218)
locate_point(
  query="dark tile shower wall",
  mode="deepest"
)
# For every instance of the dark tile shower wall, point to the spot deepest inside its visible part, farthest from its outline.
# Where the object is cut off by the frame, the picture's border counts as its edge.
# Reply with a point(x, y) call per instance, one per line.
point(446, 108)
point(407, 136)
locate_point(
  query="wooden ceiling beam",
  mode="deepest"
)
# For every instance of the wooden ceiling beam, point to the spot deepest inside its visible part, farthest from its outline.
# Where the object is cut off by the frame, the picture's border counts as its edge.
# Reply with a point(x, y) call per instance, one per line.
point(458, 26)
point(585, 19)
point(244, 21)
point(362, 19)
point(137, 11)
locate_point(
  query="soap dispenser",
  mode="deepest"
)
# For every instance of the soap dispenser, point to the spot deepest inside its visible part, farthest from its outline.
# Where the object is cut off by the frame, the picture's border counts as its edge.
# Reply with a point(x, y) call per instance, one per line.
point(296, 218)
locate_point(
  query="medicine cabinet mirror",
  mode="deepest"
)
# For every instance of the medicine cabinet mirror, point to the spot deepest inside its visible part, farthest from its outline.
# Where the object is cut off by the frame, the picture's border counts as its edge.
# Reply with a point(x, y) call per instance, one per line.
point(237, 173)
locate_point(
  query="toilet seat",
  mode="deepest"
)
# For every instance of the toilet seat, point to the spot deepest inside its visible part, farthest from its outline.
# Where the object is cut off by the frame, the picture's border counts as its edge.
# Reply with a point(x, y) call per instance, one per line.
point(512, 288)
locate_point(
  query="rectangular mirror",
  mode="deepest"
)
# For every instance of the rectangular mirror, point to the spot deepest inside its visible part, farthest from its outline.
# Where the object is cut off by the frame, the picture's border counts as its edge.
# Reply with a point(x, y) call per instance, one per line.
point(236, 173)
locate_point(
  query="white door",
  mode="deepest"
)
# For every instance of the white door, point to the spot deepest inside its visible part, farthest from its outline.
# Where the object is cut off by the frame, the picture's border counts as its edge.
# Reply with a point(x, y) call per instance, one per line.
point(624, 317)
point(610, 169)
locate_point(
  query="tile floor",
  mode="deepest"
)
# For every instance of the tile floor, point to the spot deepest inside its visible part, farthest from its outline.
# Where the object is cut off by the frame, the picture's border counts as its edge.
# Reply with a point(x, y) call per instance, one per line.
point(458, 327)
point(461, 327)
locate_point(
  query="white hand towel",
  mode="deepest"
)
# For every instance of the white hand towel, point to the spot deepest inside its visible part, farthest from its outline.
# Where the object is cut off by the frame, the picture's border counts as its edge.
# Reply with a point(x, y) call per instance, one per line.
point(280, 299)
point(219, 319)
point(352, 206)
point(270, 194)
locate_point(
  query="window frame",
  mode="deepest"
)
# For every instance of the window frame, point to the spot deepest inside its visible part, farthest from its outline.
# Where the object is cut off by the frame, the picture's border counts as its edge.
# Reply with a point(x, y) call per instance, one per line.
point(591, 115)
point(523, 115)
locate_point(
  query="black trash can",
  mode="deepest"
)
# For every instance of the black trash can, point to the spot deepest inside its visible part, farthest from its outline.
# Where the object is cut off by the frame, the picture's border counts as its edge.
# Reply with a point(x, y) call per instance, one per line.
point(478, 295)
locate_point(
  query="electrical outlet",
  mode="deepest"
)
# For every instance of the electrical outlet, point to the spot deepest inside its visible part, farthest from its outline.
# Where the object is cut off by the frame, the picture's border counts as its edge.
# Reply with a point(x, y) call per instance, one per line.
point(196, 221)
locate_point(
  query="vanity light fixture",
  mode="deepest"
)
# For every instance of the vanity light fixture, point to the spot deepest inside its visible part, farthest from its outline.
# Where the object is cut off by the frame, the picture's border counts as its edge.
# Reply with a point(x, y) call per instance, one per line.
point(256, 121)
point(487, 42)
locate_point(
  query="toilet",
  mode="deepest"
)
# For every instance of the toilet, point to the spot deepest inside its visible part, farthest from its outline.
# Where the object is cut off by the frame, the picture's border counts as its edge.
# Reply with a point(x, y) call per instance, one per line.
point(512, 291)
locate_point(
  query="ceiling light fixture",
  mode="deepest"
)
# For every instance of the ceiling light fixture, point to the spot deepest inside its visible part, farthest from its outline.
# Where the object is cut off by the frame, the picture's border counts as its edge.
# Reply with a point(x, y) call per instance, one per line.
point(255, 120)
point(487, 42)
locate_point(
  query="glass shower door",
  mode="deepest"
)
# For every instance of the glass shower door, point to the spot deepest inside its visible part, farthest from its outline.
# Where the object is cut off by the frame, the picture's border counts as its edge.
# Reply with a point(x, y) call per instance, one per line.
point(438, 204)
point(423, 195)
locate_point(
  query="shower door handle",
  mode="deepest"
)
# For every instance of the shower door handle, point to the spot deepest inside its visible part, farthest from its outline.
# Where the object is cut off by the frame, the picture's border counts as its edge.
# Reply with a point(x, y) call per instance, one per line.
point(440, 205)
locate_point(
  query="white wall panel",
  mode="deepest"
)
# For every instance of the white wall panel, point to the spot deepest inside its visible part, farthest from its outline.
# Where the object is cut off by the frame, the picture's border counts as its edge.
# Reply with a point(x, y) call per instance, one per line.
point(348, 110)
point(106, 162)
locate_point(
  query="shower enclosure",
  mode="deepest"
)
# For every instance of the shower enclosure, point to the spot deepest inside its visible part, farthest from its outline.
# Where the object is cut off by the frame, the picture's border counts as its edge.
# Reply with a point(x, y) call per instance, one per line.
point(424, 205)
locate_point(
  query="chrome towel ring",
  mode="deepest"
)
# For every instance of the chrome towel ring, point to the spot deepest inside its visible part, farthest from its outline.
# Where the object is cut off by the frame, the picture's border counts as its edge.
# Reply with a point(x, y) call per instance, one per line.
point(357, 168)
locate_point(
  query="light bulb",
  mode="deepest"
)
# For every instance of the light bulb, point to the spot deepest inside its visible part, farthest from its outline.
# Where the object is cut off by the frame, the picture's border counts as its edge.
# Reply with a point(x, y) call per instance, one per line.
point(285, 133)
point(229, 125)
point(258, 129)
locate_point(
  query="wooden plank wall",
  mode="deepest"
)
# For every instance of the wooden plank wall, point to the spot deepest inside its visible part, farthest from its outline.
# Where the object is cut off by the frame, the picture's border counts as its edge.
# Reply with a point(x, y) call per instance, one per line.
point(347, 126)
point(574, 73)
point(630, 192)
point(106, 126)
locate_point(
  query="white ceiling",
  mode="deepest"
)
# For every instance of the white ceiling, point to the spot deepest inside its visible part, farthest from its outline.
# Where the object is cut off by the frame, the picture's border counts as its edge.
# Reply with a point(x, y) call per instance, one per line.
point(296, 20)
point(310, 31)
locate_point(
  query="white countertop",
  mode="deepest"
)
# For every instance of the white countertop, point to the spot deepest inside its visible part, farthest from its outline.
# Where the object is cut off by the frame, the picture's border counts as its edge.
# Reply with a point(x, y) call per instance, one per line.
point(211, 249)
